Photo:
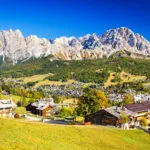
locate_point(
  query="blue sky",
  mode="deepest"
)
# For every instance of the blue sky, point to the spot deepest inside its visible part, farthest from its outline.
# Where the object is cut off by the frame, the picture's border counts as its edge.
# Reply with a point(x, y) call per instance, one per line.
point(55, 18)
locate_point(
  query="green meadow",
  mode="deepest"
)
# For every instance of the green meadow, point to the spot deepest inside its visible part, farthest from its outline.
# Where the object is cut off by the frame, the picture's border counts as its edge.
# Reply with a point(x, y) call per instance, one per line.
point(23, 135)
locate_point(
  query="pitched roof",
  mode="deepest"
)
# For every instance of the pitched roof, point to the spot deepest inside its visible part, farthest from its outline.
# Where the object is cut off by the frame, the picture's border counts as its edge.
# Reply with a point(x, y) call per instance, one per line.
point(42, 104)
point(114, 111)
point(139, 107)
point(42, 107)
point(117, 111)
point(6, 104)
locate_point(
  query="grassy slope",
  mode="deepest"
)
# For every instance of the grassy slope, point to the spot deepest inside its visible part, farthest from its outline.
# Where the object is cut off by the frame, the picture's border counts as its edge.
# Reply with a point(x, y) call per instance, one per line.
point(57, 83)
point(20, 135)
point(124, 76)
point(86, 71)
point(39, 77)
point(41, 80)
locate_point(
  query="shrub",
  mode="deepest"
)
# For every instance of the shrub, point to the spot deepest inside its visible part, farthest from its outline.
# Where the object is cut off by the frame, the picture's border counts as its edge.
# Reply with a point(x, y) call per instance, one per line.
point(144, 122)
point(124, 118)
point(31, 83)
point(16, 115)
point(65, 112)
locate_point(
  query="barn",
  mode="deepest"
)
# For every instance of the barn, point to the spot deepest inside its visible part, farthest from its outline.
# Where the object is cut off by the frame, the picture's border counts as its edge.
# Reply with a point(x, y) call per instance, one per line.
point(108, 116)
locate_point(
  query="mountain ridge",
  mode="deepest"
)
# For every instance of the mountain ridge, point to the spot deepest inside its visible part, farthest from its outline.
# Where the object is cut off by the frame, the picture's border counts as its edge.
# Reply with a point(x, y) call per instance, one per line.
point(14, 47)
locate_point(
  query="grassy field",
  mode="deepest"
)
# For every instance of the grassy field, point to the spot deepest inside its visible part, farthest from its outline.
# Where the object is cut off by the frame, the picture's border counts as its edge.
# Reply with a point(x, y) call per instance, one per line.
point(68, 100)
point(108, 82)
point(34, 78)
point(146, 84)
point(41, 80)
point(57, 83)
point(124, 77)
point(127, 77)
point(23, 135)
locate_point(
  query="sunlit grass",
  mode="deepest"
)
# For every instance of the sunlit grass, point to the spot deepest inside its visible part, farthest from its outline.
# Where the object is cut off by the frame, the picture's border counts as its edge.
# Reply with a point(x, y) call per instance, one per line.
point(34, 78)
point(127, 77)
point(57, 83)
point(41, 80)
point(124, 77)
point(22, 135)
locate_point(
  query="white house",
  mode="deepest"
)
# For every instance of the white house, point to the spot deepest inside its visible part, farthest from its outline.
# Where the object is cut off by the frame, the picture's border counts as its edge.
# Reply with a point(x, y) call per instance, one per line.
point(6, 107)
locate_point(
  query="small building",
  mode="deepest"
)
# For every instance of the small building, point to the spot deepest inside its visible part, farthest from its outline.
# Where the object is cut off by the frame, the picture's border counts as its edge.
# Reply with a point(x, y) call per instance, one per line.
point(108, 116)
point(41, 107)
point(6, 107)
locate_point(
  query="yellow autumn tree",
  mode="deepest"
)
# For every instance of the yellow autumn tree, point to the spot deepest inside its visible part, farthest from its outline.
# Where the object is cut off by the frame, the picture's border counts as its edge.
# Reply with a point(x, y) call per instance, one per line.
point(101, 97)
point(128, 99)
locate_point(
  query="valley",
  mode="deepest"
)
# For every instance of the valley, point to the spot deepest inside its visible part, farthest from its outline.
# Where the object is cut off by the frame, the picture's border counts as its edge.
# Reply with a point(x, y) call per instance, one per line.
point(75, 75)
point(69, 78)
point(40, 92)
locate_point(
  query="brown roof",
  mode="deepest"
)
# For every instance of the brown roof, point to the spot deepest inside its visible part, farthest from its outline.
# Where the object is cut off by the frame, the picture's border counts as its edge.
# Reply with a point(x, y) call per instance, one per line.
point(138, 107)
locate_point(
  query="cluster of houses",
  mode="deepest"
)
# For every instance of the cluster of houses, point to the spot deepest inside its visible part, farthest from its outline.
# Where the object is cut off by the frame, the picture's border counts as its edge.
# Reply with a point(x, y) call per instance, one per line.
point(74, 89)
point(141, 97)
point(109, 116)
point(64, 90)
point(118, 97)
point(45, 107)
point(113, 115)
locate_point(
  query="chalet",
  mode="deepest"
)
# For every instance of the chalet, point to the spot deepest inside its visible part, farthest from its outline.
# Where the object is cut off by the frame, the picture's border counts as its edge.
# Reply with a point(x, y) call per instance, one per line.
point(108, 116)
point(6, 107)
point(41, 107)
point(112, 115)
point(139, 110)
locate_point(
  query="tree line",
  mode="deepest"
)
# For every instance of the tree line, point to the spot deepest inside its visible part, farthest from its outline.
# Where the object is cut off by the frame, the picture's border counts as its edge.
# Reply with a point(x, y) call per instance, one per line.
point(96, 70)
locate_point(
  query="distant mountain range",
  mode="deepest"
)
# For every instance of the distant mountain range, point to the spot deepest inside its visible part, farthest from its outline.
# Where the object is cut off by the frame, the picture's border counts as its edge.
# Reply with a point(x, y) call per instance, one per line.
point(15, 48)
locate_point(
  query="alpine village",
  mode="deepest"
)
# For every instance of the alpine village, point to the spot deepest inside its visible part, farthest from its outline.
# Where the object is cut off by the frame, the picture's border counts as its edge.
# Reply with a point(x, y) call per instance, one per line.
point(107, 90)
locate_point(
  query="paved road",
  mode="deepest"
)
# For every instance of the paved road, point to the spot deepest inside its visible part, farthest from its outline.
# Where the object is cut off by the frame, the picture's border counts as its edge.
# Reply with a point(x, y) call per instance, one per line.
point(61, 122)
point(145, 130)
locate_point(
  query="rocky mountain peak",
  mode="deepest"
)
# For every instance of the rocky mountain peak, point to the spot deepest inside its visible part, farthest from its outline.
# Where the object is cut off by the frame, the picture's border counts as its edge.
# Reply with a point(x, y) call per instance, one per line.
point(14, 47)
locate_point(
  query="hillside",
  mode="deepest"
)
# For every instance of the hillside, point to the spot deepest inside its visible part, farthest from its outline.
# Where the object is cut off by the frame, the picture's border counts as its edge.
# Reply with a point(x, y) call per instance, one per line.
point(96, 71)
point(20, 135)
